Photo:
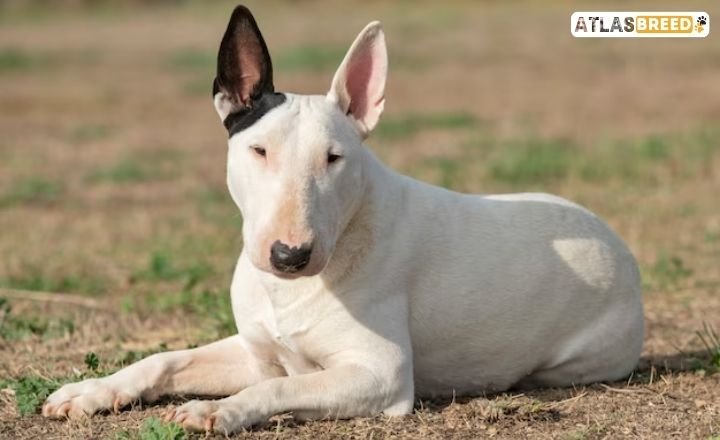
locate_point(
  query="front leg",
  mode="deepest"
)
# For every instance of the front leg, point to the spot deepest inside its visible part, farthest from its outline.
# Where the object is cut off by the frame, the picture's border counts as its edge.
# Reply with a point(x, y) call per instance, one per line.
point(222, 368)
point(338, 392)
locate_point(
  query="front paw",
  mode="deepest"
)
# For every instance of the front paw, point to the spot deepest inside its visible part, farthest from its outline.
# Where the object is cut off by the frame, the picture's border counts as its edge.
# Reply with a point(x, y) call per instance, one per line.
point(218, 416)
point(84, 398)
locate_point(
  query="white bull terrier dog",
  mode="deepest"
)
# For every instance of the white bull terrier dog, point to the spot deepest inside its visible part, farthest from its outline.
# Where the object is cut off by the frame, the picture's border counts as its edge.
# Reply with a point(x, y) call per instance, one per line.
point(358, 288)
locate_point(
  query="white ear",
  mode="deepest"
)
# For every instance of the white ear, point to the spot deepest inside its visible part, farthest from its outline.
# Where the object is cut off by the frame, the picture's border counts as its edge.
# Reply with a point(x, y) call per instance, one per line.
point(358, 87)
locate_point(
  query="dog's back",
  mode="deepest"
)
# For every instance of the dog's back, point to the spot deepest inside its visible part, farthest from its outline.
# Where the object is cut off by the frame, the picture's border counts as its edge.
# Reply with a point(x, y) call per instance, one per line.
point(532, 289)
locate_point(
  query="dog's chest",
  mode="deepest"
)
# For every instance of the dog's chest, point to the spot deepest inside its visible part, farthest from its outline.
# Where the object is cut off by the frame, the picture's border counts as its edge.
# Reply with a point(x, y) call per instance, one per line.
point(281, 325)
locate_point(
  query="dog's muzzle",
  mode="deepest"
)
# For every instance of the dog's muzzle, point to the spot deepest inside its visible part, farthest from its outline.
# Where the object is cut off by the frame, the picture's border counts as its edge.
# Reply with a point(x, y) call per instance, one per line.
point(289, 259)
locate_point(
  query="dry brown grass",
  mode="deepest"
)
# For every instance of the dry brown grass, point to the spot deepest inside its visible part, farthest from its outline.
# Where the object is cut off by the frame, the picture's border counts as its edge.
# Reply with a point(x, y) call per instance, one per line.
point(112, 186)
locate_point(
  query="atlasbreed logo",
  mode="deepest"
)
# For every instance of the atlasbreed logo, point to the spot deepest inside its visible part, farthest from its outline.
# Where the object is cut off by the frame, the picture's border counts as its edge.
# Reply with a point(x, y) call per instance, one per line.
point(640, 24)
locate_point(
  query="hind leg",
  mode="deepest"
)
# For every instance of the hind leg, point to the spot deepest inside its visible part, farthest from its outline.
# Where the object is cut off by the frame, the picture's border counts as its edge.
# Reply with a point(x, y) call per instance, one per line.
point(605, 352)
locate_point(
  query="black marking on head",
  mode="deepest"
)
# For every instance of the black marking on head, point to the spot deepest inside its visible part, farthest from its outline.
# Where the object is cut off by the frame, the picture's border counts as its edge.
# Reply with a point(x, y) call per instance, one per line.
point(245, 117)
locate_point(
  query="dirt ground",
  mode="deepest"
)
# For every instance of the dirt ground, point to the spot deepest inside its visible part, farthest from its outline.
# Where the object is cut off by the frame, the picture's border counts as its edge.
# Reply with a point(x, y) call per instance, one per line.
point(117, 237)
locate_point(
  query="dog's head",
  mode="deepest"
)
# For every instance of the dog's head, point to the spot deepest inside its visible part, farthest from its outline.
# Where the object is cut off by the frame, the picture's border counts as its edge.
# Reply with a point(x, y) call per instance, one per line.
point(295, 162)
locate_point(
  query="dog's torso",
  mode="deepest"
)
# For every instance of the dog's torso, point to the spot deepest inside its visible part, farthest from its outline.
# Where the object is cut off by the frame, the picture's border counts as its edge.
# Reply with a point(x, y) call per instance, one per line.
point(481, 292)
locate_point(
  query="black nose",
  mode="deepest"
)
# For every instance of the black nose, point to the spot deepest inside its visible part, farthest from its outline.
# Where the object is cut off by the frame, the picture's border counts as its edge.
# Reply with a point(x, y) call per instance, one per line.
point(289, 259)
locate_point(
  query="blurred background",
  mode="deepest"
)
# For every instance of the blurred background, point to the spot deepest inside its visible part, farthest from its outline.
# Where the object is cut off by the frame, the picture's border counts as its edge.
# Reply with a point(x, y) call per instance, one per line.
point(116, 231)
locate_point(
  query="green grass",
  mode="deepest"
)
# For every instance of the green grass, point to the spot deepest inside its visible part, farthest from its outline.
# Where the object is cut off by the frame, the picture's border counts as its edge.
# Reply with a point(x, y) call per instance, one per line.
point(132, 356)
point(216, 205)
point(648, 159)
point(186, 292)
point(214, 307)
point(532, 161)
point(712, 236)
point(31, 277)
point(445, 171)
point(154, 429)
point(122, 172)
point(88, 133)
point(302, 58)
point(31, 191)
point(154, 165)
point(315, 59)
point(18, 60)
point(641, 161)
point(162, 267)
point(198, 64)
point(412, 124)
point(16, 327)
point(309, 58)
point(711, 341)
point(92, 361)
point(653, 148)
point(191, 59)
point(668, 272)
point(201, 86)
point(31, 391)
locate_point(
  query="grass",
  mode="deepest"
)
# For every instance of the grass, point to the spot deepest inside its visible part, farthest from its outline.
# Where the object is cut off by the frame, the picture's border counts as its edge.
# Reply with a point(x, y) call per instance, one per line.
point(216, 205)
point(668, 272)
point(14, 60)
point(31, 191)
point(15, 327)
point(532, 161)
point(447, 172)
point(199, 64)
point(201, 86)
point(411, 124)
point(32, 277)
point(648, 159)
point(31, 392)
point(191, 59)
point(309, 58)
point(214, 307)
point(157, 165)
point(131, 356)
point(711, 342)
point(303, 58)
point(162, 267)
point(89, 133)
point(125, 171)
point(186, 292)
point(154, 429)
point(712, 236)
point(92, 361)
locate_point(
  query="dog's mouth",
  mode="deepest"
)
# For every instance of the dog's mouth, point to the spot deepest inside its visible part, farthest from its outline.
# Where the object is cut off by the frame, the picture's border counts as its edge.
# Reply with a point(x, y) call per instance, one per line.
point(311, 269)
point(287, 275)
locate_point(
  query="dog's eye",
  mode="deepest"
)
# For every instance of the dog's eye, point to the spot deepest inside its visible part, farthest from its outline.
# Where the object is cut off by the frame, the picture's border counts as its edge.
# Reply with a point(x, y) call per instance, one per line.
point(332, 158)
point(260, 151)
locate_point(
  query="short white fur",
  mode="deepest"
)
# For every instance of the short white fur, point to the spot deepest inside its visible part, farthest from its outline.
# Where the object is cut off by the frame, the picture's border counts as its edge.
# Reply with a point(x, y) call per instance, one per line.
point(411, 290)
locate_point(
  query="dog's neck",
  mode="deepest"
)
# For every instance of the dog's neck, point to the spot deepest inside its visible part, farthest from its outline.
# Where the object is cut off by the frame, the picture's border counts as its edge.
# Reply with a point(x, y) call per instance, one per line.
point(364, 229)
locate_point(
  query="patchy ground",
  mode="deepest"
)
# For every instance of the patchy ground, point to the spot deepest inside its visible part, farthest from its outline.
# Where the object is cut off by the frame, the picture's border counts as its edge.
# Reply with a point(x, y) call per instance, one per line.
point(117, 238)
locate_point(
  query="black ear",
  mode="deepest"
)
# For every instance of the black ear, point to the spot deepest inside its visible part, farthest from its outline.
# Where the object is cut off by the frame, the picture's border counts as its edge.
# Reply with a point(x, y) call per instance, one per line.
point(244, 69)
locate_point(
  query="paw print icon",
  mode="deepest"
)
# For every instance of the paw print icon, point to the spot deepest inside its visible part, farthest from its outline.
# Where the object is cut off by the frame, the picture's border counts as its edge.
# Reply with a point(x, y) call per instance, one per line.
point(702, 20)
